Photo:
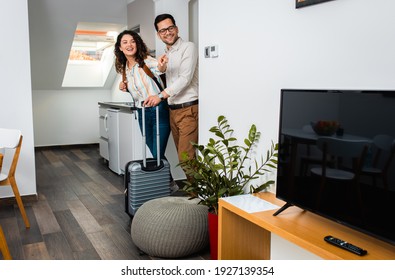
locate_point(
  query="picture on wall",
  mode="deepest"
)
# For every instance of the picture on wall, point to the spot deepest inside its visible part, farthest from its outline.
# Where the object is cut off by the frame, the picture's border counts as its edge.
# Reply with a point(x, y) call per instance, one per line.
point(304, 3)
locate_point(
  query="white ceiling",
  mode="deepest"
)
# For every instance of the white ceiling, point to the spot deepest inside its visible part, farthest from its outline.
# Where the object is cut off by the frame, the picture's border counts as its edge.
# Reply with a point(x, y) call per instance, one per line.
point(51, 26)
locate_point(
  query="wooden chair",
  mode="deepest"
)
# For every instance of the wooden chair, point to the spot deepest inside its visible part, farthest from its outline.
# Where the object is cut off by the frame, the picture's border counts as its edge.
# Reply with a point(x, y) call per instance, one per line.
point(383, 154)
point(313, 155)
point(3, 243)
point(353, 151)
point(4, 247)
point(11, 139)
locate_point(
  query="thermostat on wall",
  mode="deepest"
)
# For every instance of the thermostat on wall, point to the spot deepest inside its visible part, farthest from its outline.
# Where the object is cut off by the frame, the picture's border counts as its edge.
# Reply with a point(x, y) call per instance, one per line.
point(214, 51)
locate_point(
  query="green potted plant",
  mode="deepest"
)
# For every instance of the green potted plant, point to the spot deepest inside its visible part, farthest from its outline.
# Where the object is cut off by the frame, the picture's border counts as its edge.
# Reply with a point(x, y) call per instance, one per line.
point(224, 168)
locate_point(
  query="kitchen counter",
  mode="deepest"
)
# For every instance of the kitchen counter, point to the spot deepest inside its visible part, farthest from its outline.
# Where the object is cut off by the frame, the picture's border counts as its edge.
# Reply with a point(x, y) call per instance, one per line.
point(124, 106)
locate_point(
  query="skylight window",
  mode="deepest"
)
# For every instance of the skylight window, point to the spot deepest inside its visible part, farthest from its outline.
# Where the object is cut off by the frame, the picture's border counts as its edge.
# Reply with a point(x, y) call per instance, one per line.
point(91, 55)
point(90, 45)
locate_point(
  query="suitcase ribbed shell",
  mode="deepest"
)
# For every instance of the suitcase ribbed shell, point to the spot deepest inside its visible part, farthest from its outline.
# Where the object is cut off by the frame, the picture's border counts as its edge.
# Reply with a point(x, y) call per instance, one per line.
point(146, 185)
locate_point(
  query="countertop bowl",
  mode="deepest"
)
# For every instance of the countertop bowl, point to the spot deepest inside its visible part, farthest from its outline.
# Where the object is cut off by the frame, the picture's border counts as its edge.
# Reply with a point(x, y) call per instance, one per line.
point(325, 128)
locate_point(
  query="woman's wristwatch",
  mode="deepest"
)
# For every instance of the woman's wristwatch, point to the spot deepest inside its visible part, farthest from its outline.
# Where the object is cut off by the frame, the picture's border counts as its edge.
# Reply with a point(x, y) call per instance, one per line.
point(160, 95)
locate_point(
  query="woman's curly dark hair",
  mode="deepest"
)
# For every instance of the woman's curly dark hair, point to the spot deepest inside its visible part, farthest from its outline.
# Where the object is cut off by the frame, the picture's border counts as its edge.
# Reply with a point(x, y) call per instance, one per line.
point(120, 58)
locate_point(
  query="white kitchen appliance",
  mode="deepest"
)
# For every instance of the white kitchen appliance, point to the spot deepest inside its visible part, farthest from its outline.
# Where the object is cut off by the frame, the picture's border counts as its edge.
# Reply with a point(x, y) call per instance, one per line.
point(113, 139)
point(103, 139)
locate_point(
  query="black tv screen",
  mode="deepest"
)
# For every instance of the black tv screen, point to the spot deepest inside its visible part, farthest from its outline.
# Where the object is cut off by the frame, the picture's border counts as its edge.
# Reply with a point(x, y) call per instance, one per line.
point(369, 207)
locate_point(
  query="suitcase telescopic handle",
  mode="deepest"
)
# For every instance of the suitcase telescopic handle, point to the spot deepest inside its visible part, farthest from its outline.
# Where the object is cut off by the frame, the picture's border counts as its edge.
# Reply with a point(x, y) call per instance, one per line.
point(157, 135)
point(143, 131)
point(145, 139)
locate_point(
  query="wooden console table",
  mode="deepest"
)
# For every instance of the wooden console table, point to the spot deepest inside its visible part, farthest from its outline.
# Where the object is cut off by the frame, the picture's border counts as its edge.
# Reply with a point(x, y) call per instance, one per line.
point(243, 235)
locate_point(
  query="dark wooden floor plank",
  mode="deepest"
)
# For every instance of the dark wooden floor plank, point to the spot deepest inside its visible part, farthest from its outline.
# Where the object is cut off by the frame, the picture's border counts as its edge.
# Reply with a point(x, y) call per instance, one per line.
point(57, 246)
point(13, 238)
point(102, 168)
point(79, 243)
point(45, 175)
point(6, 211)
point(88, 254)
point(66, 152)
point(54, 199)
point(99, 192)
point(99, 164)
point(124, 242)
point(97, 210)
point(86, 168)
point(80, 154)
point(106, 186)
point(105, 246)
point(40, 159)
point(51, 156)
point(76, 186)
point(60, 169)
point(81, 176)
point(84, 218)
point(58, 191)
point(28, 235)
point(117, 212)
point(58, 205)
point(36, 251)
point(45, 218)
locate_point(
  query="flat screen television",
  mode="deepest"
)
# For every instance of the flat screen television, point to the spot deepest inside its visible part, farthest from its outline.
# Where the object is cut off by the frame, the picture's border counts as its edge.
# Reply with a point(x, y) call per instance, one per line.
point(361, 113)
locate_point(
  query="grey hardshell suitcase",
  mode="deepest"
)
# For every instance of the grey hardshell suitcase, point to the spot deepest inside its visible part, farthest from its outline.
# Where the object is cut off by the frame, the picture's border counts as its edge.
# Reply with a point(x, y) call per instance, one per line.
point(146, 179)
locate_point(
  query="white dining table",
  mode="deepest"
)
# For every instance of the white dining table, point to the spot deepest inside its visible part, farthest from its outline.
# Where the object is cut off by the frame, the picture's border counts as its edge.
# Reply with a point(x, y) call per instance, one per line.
point(311, 136)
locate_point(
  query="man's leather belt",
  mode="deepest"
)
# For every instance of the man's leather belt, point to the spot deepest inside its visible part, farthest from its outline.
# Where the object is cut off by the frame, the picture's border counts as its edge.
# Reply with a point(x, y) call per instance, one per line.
point(183, 105)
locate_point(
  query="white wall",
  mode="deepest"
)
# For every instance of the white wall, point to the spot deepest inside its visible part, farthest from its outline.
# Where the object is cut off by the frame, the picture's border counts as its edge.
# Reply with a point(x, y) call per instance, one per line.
point(67, 117)
point(16, 93)
point(141, 13)
point(75, 75)
point(268, 45)
point(179, 9)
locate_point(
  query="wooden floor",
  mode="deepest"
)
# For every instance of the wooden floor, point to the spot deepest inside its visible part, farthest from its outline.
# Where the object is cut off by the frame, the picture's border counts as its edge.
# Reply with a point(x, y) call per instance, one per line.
point(79, 214)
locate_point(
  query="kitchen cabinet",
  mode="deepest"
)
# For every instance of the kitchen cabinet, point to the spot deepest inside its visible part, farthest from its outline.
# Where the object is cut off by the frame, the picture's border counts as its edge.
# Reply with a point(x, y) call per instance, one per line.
point(113, 139)
point(103, 138)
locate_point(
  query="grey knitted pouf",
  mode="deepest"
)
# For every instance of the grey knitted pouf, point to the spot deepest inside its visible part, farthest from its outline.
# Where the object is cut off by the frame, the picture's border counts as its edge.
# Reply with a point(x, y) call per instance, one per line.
point(170, 227)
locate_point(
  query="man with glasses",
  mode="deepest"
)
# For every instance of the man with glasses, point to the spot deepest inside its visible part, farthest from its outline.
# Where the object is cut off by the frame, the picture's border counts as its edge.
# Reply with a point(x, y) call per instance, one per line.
point(180, 63)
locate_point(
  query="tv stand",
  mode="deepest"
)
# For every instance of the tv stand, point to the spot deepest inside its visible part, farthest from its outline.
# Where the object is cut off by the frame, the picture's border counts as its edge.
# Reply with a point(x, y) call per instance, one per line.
point(285, 206)
point(251, 234)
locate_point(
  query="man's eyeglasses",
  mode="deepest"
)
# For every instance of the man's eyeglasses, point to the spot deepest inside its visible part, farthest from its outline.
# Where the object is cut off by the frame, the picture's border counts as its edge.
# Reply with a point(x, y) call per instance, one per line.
point(170, 29)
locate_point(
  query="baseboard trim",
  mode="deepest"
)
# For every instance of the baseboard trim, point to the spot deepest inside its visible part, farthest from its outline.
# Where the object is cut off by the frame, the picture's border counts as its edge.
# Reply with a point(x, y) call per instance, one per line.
point(25, 199)
point(75, 146)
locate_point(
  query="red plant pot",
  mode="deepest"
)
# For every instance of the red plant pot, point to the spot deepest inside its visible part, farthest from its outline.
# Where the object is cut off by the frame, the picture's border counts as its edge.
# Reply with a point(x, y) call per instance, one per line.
point(213, 235)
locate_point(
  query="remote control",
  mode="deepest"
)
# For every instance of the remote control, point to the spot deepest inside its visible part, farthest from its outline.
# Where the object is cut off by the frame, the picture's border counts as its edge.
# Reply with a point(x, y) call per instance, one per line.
point(346, 246)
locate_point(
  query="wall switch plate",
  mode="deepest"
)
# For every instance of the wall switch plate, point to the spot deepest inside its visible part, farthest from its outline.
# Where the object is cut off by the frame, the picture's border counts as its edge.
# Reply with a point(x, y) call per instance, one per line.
point(207, 52)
